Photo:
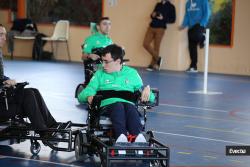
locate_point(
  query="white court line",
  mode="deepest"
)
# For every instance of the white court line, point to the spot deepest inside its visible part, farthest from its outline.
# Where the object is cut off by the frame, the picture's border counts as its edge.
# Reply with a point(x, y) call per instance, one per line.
point(203, 138)
point(27, 159)
point(197, 108)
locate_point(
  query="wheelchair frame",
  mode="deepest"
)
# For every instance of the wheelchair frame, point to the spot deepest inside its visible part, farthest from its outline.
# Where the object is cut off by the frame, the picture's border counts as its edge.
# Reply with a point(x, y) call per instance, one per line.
point(17, 134)
point(16, 130)
point(89, 139)
point(97, 139)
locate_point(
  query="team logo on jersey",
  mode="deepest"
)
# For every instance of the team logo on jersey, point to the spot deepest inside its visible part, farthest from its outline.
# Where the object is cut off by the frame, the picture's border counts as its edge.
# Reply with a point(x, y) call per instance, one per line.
point(126, 81)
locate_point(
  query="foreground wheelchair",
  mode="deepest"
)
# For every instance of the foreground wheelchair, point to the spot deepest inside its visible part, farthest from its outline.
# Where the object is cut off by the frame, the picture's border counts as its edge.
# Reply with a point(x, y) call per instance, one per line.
point(19, 129)
point(97, 139)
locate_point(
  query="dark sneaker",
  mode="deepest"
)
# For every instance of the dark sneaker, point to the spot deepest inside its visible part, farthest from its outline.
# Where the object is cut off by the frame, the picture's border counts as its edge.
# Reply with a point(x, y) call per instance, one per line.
point(159, 63)
point(192, 70)
point(150, 68)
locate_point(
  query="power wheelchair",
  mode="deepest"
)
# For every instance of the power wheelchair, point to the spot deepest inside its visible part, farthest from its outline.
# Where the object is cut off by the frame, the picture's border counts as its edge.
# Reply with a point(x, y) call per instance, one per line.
point(98, 139)
point(19, 129)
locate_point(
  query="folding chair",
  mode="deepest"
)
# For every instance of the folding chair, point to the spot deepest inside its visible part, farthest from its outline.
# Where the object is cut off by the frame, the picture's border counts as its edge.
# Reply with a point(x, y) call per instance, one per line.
point(60, 34)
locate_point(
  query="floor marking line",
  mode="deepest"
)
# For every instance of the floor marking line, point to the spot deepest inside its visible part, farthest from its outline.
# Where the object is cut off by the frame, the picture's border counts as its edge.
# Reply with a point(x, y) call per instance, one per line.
point(189, 107)
point(203, 138)
point(186, 153)
point(201, 117)
point(209, 156)
point(218, 130)
point(236, 161)
point(27, 159)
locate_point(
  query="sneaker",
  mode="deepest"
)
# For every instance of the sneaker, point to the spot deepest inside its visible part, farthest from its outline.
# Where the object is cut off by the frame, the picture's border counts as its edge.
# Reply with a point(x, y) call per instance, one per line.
point(192, 70)
point(140, 141)
point(150, 68)
point(159, 63)
point(122, 139)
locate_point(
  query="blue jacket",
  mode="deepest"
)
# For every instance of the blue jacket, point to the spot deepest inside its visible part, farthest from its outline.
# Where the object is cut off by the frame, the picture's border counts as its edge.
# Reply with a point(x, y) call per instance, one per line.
point(197, 12)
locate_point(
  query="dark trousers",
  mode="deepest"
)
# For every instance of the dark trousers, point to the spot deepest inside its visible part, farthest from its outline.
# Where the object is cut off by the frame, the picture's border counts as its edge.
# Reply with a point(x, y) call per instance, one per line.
point(29, 103)
point(195, 37)
point(125, 118)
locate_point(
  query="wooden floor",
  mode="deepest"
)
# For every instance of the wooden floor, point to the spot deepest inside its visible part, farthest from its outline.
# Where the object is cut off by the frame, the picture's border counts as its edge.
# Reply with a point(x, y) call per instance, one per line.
point(196, 127)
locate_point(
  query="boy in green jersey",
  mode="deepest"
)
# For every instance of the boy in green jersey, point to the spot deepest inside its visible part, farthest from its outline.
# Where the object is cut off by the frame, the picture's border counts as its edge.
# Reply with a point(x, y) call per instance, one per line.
point(93, 44)
point(117, 82)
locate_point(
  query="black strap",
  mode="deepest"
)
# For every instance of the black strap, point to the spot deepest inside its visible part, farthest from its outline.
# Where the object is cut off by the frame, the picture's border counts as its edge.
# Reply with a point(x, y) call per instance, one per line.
point(126, 95)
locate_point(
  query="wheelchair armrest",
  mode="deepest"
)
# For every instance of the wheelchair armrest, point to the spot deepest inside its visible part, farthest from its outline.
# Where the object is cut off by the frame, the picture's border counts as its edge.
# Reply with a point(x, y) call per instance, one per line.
point(21, 84)
point(96, 102)
point(149, 104)
point(157, 95)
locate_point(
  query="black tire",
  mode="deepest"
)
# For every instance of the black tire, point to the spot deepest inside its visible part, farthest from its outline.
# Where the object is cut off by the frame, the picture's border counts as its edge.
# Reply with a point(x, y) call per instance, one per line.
point(81, 150)
point(78, 90)
point(35, 148)
point(163, 163)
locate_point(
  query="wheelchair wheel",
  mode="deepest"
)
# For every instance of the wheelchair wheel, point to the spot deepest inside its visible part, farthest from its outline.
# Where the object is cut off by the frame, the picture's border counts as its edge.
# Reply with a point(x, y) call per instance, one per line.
point(79, 88)
point(35, 148)
point(164, 163)
point(159, 163)
point(81, 150)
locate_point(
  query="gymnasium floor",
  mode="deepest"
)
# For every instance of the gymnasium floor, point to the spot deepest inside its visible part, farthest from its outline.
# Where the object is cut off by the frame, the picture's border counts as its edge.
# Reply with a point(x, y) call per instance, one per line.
point(196, 127)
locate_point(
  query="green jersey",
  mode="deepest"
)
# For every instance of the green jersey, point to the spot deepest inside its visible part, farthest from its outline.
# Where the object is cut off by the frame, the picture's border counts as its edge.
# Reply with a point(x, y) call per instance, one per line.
point(96, 40)
point(127, 79)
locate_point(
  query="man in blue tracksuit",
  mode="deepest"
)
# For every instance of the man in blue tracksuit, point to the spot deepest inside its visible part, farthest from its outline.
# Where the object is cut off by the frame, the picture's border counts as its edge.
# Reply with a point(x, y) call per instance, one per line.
point(196, 18)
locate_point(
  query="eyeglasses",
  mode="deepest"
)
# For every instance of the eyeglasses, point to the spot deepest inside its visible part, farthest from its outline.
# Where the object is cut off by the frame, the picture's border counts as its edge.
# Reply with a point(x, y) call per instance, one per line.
point(104, 62)
point(106, 23)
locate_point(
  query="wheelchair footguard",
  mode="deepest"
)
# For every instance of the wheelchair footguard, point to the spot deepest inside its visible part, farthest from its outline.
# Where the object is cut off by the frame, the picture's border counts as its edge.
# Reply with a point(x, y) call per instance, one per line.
point(151, 153)
point(51, 137)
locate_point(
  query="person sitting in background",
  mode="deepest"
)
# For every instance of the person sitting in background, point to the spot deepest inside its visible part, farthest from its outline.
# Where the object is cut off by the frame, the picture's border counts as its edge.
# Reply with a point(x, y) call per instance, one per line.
point(118, 79)
point(92, 45)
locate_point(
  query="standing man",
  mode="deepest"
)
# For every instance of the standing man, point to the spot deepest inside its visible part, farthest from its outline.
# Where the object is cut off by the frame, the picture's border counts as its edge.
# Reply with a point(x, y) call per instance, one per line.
point(97, 40)
point(163, 12)
point(196, 19)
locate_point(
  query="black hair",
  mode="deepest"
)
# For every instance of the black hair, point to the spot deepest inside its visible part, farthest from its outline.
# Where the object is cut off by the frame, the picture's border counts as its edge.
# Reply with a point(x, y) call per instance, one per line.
point(116, 52)
point(101, 19)
point(1, 25)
